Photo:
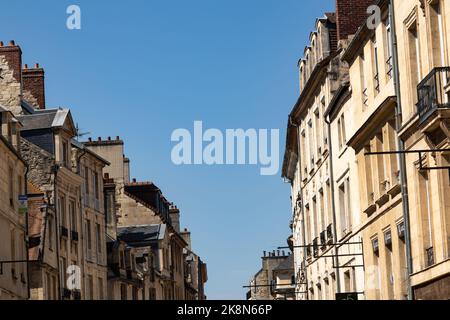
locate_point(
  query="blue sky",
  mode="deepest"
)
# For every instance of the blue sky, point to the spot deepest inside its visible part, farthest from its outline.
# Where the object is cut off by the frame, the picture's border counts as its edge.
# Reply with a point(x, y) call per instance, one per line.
point(141, 69)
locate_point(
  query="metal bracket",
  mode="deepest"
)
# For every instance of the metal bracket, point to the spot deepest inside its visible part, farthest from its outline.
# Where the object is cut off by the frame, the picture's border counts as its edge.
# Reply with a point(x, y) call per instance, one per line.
point(419, 152)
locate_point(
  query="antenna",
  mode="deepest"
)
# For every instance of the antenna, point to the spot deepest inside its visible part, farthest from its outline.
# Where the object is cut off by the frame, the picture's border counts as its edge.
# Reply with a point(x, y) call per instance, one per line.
point(81, 134)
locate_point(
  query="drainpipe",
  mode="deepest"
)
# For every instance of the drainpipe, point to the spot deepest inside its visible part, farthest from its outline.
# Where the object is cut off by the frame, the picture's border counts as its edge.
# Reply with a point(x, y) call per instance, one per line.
point(55, 170)
point(401, 147)
point(27, 235)
point(303, 227)
point(333, 209)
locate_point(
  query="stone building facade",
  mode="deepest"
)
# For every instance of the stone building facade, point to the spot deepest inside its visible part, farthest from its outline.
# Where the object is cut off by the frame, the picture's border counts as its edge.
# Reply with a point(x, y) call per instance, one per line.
point(423, 34)
point(389, 156)
point(275, 280)
point(13, 253)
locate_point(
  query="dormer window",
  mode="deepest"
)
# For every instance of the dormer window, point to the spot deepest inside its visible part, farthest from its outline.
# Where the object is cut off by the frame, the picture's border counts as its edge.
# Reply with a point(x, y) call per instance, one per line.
point(65, 154)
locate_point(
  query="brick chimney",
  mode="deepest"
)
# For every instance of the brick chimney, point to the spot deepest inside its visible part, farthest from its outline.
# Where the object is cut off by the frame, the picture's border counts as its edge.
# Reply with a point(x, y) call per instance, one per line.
point(13, 56)
point(33, 85)
point(350, 15)
point(174, 214)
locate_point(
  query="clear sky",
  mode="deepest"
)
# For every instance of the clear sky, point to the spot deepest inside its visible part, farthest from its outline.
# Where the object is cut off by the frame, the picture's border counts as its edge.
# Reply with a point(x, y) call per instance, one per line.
point(141, 69)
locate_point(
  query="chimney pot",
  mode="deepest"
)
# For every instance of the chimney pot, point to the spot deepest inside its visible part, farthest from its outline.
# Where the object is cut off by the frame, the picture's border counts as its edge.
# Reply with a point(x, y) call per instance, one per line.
point(12, 43)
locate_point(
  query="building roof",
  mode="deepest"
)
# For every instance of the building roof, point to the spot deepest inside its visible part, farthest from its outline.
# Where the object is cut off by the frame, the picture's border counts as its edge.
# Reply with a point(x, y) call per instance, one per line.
point(45, 119)
point(141, 236)
point(286, 264)
point(81, 146)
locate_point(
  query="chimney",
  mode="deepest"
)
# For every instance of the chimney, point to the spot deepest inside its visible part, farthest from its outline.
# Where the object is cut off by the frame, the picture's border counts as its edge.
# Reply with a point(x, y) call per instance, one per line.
point(33, 83)
point(174, 214)
point(13, 56)
point(350, 15)
point(187, 237)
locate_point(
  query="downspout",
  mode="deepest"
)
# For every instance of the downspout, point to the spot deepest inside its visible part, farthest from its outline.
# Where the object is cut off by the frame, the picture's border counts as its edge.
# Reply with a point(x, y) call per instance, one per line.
point(333, 209)
point(80, 233)
point(27, 236)
point(401, 147)
point(303, 227)
point(55, 208)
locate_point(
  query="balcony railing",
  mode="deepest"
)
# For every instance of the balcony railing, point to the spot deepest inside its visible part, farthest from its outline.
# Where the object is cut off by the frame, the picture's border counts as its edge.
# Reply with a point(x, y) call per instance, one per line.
point(431, 93)
point(64, 232)
point(330, 232)
point(323, 238)
point(74, 236)
point(316, 247)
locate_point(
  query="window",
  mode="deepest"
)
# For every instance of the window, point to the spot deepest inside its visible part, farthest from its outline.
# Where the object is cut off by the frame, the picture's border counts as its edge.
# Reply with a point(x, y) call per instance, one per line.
point(341, 132)
point(99, 238)
point(322, 211)
point(364, 90)
point(63, 272)
point(100, 289)
point(73, 217)
point(89, 234)
point(437, 34)
point(50, 232)
point(11, 187)
point(315, 218)
point(414, 58)
point(344, 206)
point(65, 154)
point(13, 246)
point(389, 265)
point(325, 133)
point(388, 46)
point(86, 180)
point(426, 218)
point(96, 186)
point(91, 287)
point(123, 292)
point(317, 132)
point(376, 69)
point(62, 211)
point(311, 143)
point(303, 151)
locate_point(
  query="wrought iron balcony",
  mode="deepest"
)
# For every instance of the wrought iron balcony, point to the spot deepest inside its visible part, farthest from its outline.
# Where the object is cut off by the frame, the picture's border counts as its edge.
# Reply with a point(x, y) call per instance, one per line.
point(316, 247)
point(330, 232)
point(308, 251)
point(74, 236)
point(433, 93)
point(66, 294)
point(323, 238)
point(64, 232)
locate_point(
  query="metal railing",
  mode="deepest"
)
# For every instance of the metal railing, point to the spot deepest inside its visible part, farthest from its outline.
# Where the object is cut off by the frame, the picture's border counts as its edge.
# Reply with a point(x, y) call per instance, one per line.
point(431, 93)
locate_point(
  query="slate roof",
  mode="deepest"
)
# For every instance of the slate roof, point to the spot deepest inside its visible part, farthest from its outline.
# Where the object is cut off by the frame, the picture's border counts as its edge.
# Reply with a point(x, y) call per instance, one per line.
point(44, 119)
point(141, 236)
point(287, 264)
